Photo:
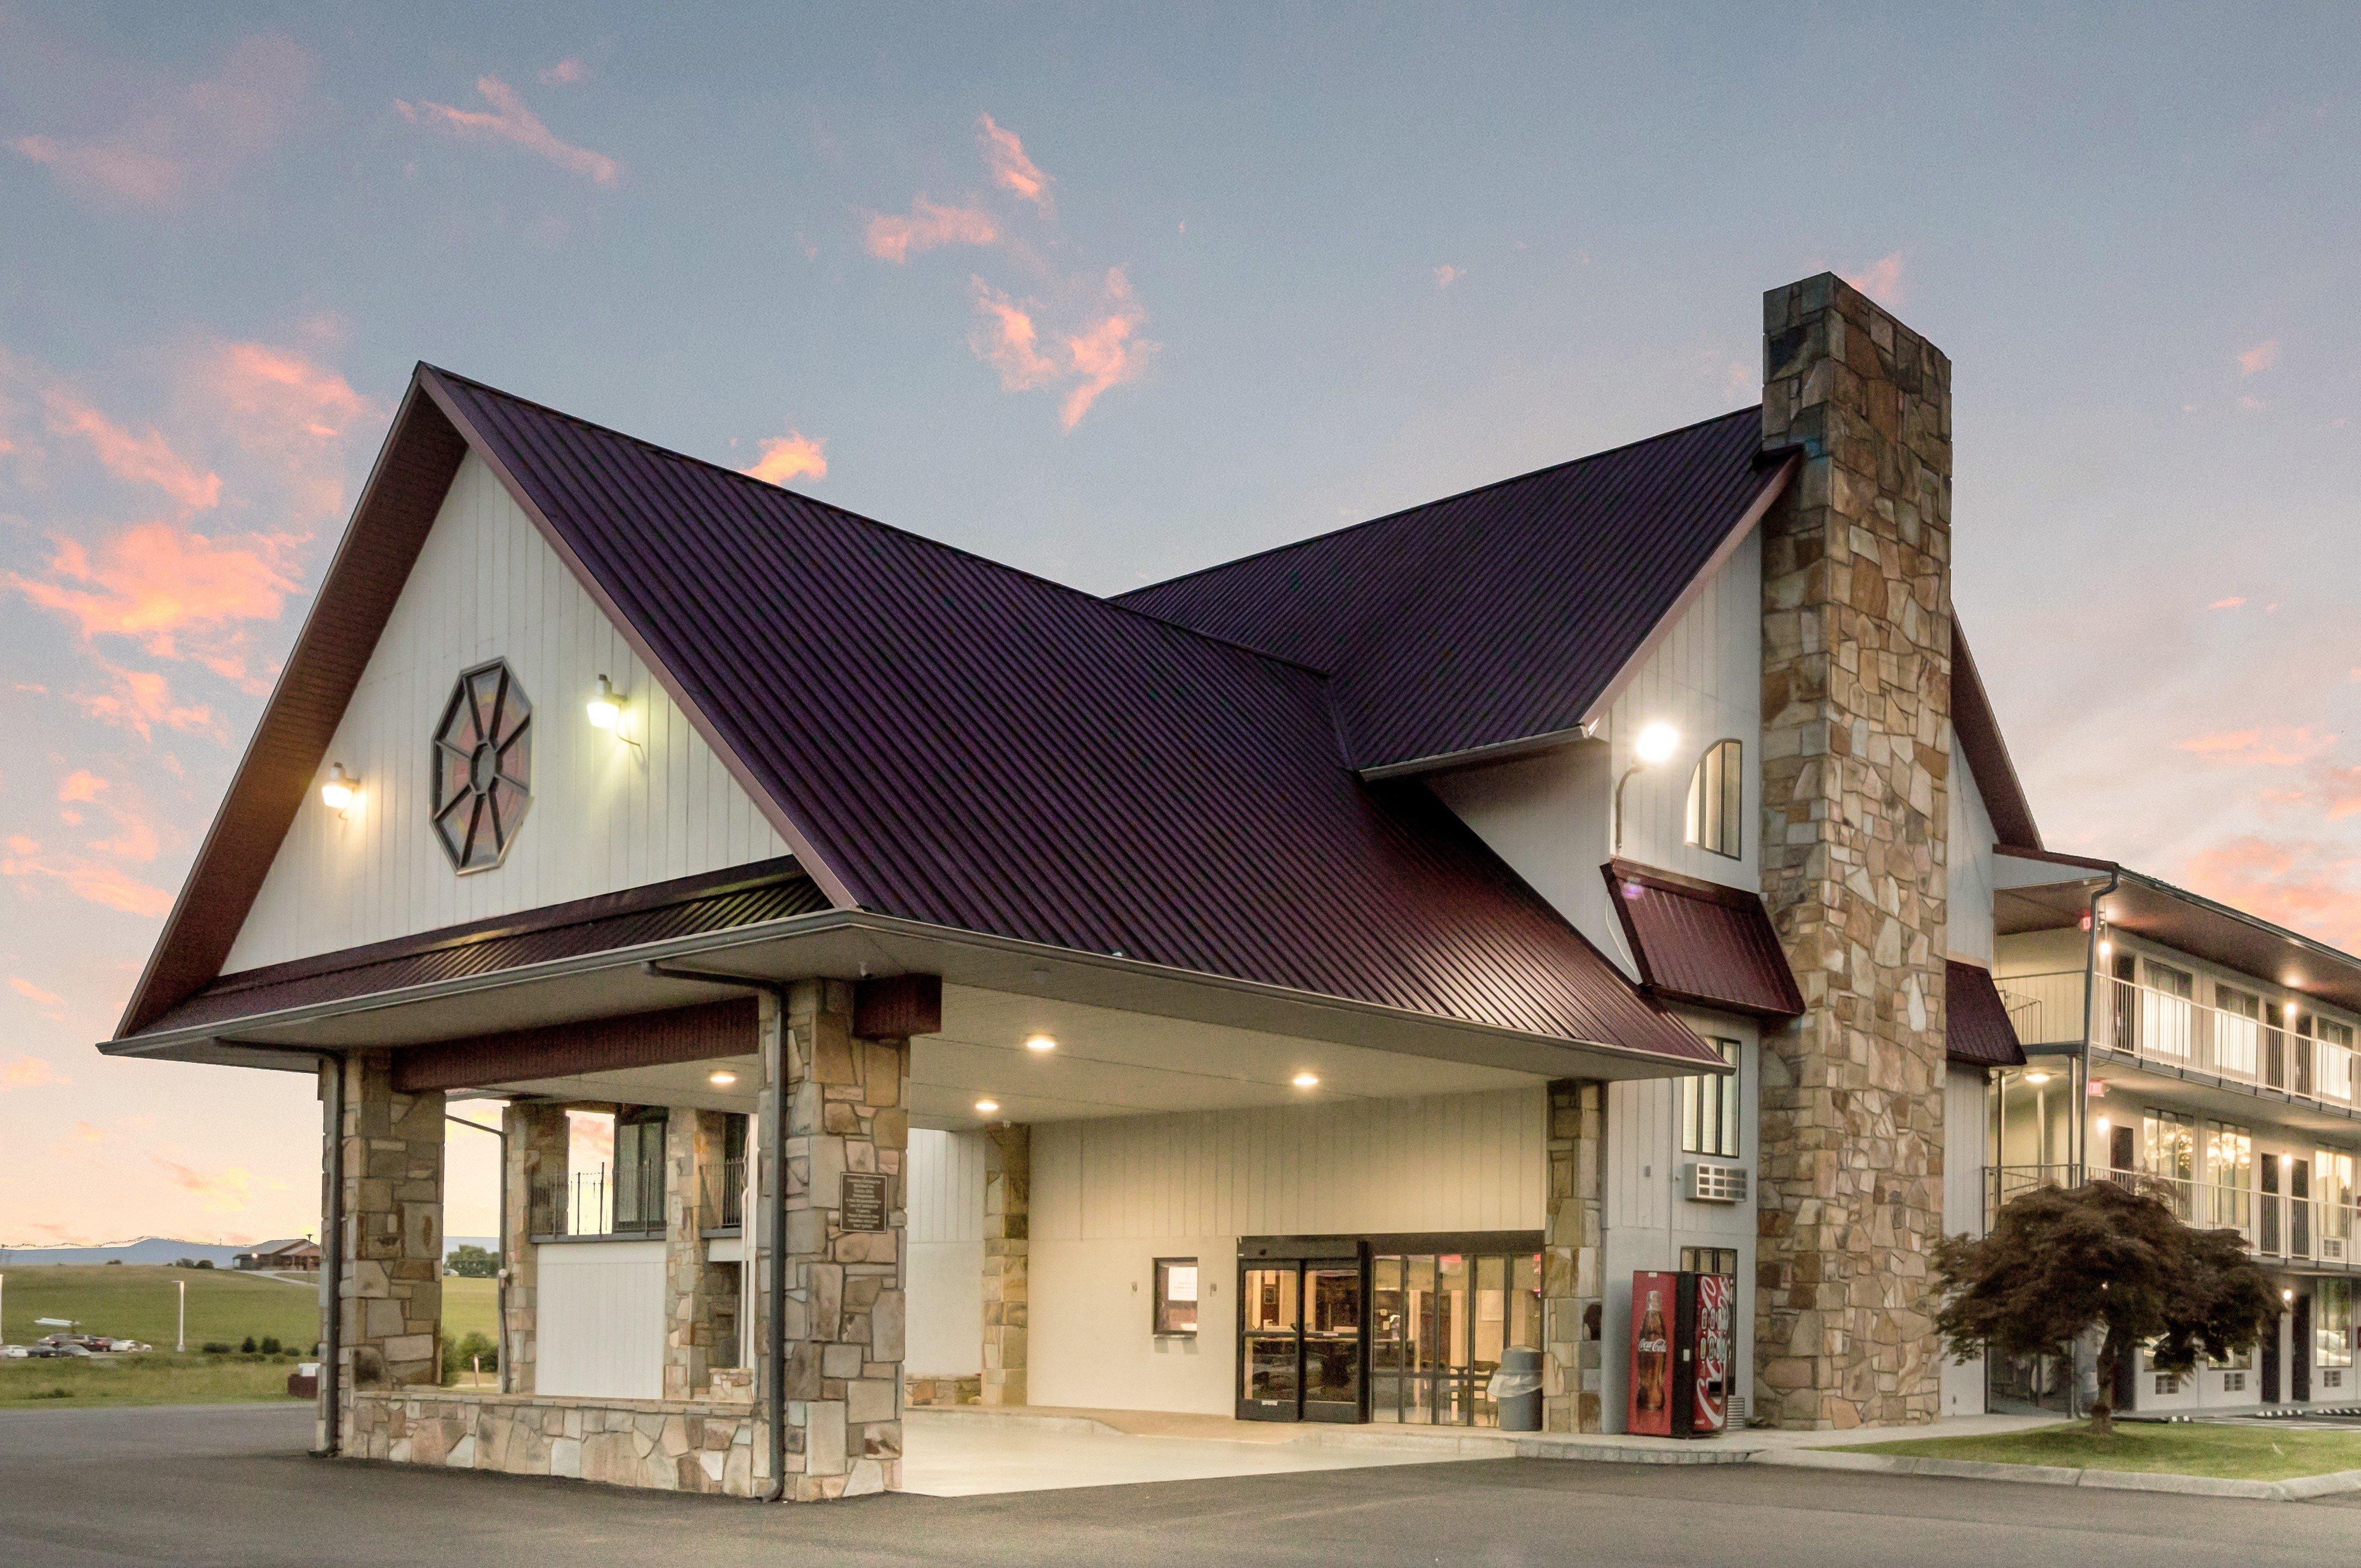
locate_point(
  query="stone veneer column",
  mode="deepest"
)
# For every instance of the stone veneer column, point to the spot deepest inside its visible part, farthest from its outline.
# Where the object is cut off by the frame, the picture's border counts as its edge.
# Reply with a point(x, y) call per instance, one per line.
point(533, 1155)
point(1572, 1369)
point(693, 1145)
point(846, 1306)
point(1007, 1244)
point(1856, 762)
point(391, 1324)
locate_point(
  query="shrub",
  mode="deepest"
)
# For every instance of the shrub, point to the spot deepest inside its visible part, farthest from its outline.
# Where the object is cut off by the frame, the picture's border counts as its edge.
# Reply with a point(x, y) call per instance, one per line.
point(270, 1345)
point(204, 1263)
point(462, 1355)
point(247, 1345)
point(214, 1347)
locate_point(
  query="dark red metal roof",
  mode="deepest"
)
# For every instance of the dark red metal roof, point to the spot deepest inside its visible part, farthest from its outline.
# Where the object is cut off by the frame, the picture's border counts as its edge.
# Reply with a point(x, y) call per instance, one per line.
point(717, 901)
point(1977, 1020)
point(1494, 615)
point(950, 740)
point(1702, 943)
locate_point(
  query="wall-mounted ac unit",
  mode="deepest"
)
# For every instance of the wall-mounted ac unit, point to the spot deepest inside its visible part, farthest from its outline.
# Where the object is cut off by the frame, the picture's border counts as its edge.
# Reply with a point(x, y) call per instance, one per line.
point(1717, 1183)
point(2332, 1249)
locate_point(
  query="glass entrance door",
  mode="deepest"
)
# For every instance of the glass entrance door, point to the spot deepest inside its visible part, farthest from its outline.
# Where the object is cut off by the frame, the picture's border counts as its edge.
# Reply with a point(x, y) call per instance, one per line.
point(1332, 1342)
point(1271, 1343)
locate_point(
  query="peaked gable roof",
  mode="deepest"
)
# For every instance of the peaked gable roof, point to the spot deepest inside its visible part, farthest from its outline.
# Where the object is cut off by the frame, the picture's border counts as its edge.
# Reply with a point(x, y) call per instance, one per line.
point(945, 740)
point(1499, 615)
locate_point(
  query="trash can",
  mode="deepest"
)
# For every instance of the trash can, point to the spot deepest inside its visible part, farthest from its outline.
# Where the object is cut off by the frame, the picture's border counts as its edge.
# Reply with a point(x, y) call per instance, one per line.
point(1515, 1389)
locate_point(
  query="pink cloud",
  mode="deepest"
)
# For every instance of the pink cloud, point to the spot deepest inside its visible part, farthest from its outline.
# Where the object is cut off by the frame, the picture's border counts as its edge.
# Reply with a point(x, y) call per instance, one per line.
point(2307, 887)
point(86, 879)
point(32, 1072)
point(1004, 156)
point(34, 993)
point(510, 120)
point(791, 455)
point(2262, 356)
point(84, 1132)
point(928, 226)
point(1446, 275)
point(1881, 279)
point(283, 408)
point(225, 1192)
point(80, 785)
point(1106, 353)
point(138, 459)
point(1006, 338)
point(2232, 603)
point(2278, 747)
point(141, 701)
point(190, 140)
point(159, 582)
point(565, 72)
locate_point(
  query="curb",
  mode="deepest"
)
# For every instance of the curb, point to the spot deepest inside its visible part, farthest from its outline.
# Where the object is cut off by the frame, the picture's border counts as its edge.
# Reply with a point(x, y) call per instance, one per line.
point(2297, 1490)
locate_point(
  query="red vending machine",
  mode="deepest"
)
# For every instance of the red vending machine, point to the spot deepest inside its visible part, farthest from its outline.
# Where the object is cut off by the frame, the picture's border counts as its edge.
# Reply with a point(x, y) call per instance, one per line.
point(1680, 1354)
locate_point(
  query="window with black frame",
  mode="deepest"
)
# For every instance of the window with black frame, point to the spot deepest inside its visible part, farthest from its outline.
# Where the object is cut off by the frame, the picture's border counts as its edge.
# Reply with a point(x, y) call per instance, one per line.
point(639, 1195)
point(1716, 800)
point(1709, 1113)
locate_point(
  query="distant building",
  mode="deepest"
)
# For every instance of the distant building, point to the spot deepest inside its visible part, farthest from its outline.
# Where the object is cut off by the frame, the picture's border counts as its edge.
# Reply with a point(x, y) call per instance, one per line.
point(297, 1253)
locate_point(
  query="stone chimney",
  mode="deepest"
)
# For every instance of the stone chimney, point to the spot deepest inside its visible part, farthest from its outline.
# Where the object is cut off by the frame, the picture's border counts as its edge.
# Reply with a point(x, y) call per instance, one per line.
point(1856, 762)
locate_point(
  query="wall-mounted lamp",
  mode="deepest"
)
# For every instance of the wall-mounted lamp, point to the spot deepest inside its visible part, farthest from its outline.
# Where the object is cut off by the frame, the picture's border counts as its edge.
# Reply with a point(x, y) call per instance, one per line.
point(340, 789)
point(2037, 1079)
point(605, 706)
point(1040, 1044)
point(1305, 1080)
point(2290, 1011)
point(2287, 1297)
point(721, 1078)
point(986, 1107)
point(1653, 747)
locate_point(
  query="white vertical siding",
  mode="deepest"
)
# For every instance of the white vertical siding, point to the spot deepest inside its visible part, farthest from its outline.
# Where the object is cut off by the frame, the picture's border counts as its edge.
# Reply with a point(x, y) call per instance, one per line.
point(605, 816)
point(945, 1252)
point(1964, 1134)
point(1969, 893)
point(1110, 1197)
point(601, 1320)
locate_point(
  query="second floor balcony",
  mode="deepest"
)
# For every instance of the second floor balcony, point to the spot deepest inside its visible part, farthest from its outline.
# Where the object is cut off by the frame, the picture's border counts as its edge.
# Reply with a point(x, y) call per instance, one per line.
point(2278, 1227)
point(624, 1202)
point(2260, 1049)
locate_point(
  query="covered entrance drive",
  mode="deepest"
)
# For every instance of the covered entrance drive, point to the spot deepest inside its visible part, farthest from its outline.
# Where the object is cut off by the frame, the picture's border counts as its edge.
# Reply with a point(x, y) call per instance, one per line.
point(1398, 1330)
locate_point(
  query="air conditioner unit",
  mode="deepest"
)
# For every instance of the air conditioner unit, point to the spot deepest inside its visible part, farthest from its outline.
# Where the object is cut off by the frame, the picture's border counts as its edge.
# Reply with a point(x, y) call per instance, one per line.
point(1717, 1183)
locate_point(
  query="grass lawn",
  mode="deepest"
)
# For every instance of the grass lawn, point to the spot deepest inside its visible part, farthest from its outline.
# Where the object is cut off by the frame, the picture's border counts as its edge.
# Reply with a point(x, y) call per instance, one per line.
point(156, 1378)
point(137, 1301)
point(2237, 1454)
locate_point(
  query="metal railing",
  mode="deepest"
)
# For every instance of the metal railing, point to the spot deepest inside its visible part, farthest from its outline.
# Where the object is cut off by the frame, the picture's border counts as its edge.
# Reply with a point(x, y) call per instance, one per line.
point(2276, 1225)
point(2046, 1008)
point(724, 1199)
point(602, 1202)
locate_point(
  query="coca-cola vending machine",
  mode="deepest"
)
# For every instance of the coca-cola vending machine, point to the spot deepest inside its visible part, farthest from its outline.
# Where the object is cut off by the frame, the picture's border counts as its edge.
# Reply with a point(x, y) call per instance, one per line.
point(1680, 1354)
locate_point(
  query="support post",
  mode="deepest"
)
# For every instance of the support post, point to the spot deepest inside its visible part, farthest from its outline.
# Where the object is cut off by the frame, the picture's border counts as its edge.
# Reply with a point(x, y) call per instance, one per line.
point(390, 1283)
point(533, 1160)
point(1007, 1262)
point(1572, 1287)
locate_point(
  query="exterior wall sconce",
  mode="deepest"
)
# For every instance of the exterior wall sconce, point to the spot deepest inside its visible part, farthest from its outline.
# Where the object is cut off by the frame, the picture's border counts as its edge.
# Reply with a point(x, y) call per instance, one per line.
point(1652, 748)
point(986, 1107)
point(340, 790)
point(1040, 1044)
point(1305, 1080)
point(721, 1078)
point(605, 706)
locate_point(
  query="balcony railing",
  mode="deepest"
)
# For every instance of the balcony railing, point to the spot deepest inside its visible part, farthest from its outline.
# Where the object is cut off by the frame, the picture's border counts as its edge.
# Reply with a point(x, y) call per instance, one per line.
point(600, 1202)
point(2275, 1225)
point(724, 1199)
point(2179, 1032)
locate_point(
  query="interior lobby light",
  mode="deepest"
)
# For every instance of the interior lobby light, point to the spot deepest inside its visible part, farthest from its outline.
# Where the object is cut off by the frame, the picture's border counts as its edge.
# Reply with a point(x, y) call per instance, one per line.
point(605, 706)
point(2037, 1079)
point(1306, 1080)
point(340, 788)
point(721, 1078)
point(1039, 1043)
point(987, 1106)
point(1656, 743)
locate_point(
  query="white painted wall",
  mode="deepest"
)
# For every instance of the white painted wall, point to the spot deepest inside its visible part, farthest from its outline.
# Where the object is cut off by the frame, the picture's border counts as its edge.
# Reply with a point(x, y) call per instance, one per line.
point(601, 1321)
point(945, 1252)
point(605, 816)
point(1550, 816)
point(1965, 1134)
point(1969, 907)
point(1649, 1217)
point(1110, 1197)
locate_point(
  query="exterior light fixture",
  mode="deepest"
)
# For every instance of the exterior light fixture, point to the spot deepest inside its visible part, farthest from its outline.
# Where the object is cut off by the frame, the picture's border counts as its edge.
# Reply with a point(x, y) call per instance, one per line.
point(1040, 1044)
point(1305, 1080)
point(340, 789)
point(2103, 1127)
point(2037, 1079)
point(987, 1106)
point(1653, 746)
point(2106, 947)
point(721, 1078)
point(2289, 1010)
point(2287, 1295)
point(605, 706)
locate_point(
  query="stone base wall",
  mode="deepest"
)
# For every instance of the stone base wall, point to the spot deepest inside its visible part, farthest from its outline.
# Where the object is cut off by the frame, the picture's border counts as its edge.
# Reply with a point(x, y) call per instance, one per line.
point(1008, 1263)
point(940, 1392)
point(664, 1445)
point(1573, 1369)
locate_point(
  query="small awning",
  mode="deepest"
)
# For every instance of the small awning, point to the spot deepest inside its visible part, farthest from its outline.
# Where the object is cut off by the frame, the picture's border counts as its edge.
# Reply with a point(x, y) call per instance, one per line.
point(1701, 943)
point(1977, 1020)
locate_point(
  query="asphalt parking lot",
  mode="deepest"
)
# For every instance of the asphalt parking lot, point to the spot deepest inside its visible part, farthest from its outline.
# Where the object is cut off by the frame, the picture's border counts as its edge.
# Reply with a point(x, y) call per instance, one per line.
point(232, 1485)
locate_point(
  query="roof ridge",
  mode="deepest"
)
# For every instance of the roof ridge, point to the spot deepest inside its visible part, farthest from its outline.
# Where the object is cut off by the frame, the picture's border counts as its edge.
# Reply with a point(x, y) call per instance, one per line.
point(1440, 501)
point(848, 514)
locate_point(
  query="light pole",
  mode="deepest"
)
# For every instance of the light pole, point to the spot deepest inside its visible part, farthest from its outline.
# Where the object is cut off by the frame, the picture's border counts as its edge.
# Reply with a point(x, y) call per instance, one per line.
point(1654, 745)
point(180, 1335)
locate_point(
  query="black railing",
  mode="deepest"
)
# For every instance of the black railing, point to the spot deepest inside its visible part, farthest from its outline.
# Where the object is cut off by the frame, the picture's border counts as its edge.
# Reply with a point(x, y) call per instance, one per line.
point(725, 1193)
point(602, 1202)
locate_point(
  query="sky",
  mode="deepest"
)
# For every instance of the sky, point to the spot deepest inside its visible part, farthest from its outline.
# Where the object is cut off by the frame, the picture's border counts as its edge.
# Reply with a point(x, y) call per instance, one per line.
point(1110, 293)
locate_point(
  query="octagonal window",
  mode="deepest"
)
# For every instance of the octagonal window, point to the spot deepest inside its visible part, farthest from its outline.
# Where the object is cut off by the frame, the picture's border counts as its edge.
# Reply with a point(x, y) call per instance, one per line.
point(483, 767)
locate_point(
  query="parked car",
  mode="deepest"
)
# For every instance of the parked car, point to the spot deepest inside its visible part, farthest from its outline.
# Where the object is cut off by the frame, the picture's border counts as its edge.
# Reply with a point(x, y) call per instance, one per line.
point(14, 1353)
point(67, 1352)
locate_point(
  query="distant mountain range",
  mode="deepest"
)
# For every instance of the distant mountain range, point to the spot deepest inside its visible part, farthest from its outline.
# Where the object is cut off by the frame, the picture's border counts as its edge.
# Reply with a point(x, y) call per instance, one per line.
point(163, 1249)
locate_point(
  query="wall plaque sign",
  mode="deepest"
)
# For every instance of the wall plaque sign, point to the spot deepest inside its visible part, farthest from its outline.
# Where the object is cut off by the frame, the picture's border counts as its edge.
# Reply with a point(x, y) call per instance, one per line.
point(861, 1204)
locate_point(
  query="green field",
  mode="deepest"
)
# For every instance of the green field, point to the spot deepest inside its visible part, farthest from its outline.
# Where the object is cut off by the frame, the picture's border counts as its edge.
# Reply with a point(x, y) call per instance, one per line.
point(2237, 1454)
point(124, 1300)
point(157, 1379)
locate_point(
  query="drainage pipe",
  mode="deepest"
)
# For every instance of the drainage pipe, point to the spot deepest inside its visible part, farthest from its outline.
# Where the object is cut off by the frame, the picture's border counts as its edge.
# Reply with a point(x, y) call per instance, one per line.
point(773, 1213)
point(2081, 1150)
point(332, 1256)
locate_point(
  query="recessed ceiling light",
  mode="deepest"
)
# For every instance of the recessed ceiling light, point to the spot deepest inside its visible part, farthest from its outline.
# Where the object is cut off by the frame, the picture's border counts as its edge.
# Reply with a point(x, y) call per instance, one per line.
point(2037, 1077)
point(987, 1106)
point(1040, 1043)
point(1306, 1080)
point(721, 1078)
